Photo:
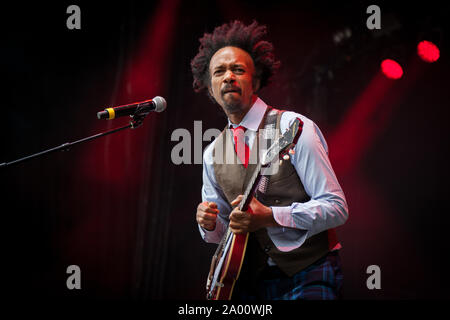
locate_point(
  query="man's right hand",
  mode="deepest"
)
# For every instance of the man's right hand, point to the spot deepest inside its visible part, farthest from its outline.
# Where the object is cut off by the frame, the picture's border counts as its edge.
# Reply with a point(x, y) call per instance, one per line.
point(207, 215)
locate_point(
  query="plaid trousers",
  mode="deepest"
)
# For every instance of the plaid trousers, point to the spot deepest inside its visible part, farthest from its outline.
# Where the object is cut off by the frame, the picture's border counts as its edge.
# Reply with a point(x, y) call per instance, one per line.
point(321, 280)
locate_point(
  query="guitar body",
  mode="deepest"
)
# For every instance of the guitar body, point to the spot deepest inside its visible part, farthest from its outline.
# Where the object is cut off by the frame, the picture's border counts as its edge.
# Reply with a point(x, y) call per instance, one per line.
point(232, 267)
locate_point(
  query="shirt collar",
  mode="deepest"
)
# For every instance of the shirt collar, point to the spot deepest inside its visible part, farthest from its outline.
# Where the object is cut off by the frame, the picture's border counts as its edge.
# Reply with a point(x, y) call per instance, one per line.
point(253, 117)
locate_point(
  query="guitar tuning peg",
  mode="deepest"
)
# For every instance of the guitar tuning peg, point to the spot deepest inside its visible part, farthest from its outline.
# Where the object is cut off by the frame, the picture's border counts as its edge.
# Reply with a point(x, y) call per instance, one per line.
point(286, 157)
point(291, 151)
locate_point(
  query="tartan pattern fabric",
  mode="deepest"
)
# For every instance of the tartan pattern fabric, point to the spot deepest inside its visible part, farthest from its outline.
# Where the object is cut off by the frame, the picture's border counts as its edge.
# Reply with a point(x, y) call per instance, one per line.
point(320, 281)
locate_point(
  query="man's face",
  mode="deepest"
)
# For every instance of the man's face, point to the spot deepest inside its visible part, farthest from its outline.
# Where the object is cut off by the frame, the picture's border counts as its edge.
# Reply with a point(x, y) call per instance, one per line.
point(232, 70)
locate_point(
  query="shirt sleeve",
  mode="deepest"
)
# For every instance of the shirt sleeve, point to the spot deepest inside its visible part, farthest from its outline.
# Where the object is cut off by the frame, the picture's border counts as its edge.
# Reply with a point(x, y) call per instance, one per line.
point(212, 193)
point(327, 207)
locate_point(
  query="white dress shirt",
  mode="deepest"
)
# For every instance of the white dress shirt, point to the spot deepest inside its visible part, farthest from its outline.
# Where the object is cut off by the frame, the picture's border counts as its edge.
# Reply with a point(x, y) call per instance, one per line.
point(327, 207)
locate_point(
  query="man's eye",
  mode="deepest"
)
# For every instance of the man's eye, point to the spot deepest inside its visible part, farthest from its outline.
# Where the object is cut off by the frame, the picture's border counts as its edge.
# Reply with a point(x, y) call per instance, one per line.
point(218, 72)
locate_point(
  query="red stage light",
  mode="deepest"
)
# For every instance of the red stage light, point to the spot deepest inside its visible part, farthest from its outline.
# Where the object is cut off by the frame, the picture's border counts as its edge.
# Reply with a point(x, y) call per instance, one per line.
point(391, 69)
point(428, 51)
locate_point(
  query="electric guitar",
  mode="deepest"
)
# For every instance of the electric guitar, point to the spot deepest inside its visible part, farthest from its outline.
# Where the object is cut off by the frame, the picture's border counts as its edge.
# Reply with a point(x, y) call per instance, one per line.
point(229, 256)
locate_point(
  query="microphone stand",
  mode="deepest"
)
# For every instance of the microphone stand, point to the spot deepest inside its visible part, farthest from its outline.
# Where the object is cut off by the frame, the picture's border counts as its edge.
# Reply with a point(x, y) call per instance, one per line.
point(136, 121)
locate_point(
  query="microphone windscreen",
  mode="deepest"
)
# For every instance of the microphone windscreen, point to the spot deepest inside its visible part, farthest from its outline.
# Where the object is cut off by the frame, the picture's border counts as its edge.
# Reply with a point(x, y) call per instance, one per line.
point(160, 104)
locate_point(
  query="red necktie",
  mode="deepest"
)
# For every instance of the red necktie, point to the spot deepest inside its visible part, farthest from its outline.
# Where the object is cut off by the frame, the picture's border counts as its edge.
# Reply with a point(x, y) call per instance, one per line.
point(241, 148)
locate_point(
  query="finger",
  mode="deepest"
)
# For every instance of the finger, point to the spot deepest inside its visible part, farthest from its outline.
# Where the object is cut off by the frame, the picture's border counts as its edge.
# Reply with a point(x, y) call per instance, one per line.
point(237, 215)
point(206, 204)
point(203, 204)
point(237, 200)
point(212, 208)
point(212, 205)
point(203, 221)
point(212, 211)
point(234, 227)
point(208, 226)
point(203, 207)
point(208, 217)
point(237, 230)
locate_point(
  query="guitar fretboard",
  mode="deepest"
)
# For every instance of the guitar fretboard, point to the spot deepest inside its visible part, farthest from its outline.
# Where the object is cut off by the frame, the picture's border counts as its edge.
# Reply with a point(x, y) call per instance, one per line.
point(250, 188)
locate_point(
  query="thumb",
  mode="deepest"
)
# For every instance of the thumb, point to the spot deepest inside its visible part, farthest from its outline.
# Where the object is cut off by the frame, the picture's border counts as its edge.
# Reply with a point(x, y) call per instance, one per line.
point(237, 200)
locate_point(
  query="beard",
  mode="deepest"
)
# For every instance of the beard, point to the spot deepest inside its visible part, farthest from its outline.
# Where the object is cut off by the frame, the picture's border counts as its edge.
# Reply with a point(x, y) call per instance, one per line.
point(232, 104)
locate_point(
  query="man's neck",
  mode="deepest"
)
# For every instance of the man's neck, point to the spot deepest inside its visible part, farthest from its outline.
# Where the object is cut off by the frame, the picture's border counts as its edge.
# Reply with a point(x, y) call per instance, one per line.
point(236, 118)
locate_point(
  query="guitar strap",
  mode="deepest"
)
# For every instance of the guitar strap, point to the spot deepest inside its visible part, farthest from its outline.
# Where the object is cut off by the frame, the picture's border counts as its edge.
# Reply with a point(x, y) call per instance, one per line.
point(270, 120)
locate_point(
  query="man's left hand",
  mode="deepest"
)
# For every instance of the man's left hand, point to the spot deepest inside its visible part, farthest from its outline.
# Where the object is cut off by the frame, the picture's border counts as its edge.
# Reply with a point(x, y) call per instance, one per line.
point(256, 217)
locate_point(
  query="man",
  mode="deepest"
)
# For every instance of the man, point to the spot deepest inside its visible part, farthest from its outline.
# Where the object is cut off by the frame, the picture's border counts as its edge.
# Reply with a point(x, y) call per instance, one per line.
point(292, 252)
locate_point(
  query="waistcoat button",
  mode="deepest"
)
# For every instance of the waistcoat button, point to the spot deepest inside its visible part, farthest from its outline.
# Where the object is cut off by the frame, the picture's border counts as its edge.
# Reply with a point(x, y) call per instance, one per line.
point(266, 248)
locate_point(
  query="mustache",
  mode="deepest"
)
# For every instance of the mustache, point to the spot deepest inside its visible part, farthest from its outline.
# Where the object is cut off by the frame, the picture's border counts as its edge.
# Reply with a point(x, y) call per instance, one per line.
point(229, 88)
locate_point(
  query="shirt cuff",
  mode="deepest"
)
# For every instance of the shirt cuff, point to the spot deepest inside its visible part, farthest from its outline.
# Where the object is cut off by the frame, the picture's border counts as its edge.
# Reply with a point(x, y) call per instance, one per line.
point(213, 236)
point(287, 239)
point(283, 216)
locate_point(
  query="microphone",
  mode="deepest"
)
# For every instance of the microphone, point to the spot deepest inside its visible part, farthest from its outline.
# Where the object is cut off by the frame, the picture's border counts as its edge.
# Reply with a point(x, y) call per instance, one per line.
point(157, 104)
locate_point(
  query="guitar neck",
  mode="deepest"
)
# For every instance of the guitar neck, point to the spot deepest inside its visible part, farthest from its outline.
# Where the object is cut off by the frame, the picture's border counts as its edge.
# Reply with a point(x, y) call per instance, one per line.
point(247, 197)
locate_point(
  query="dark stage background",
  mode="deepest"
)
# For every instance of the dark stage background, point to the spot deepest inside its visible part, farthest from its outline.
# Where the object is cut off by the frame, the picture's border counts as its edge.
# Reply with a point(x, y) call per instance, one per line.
point(125, 214)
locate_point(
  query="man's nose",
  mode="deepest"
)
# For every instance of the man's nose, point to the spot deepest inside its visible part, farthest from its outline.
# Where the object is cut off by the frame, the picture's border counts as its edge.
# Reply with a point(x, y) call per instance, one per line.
point(229, 77)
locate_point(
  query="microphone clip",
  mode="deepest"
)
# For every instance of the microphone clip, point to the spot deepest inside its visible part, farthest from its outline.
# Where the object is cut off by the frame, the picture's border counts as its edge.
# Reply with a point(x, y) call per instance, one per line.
point(137, 118)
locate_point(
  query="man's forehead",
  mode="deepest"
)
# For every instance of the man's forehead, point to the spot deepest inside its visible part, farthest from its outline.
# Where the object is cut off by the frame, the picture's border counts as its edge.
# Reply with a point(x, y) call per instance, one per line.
point(229, 55)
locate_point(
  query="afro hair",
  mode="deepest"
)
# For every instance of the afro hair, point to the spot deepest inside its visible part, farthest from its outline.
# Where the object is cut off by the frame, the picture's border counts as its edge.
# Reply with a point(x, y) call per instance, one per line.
point(235, 34)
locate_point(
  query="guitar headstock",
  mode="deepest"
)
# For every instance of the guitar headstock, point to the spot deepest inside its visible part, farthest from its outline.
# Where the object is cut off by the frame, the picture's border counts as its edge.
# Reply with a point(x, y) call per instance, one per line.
point(284, 144)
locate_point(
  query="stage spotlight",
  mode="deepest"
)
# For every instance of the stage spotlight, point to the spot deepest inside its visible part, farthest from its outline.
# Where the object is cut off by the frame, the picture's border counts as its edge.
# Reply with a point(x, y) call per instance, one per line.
point(391, 69)
point(428, 51)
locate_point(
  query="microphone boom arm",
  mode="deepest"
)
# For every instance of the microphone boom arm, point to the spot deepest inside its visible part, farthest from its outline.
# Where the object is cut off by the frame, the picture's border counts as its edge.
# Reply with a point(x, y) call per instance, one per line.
point(135, 122)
